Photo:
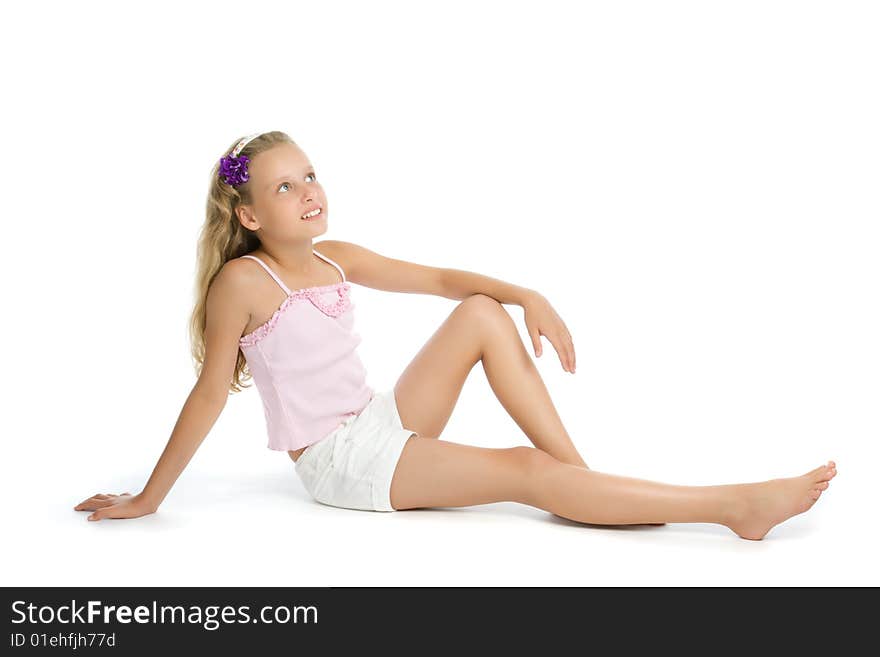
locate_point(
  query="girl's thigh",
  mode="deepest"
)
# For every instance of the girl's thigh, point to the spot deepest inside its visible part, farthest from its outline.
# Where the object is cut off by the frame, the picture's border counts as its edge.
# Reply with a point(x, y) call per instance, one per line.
point(437, 473)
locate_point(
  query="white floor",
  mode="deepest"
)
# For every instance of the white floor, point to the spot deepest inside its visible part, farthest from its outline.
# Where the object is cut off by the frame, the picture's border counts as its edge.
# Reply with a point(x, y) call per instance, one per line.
point(258, 526)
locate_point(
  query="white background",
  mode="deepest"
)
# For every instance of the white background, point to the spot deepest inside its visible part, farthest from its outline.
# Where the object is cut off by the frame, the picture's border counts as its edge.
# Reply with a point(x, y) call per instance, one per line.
point(692, 185)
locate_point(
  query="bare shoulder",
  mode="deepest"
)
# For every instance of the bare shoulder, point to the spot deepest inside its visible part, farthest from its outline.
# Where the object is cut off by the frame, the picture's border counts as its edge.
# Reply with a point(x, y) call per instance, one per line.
point(231, 285)
point(233, 273)
point(344, 253)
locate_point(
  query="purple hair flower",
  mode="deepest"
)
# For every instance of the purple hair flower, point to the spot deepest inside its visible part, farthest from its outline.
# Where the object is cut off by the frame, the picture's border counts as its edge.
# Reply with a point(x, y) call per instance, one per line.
point(233, 170)
point(233, 167)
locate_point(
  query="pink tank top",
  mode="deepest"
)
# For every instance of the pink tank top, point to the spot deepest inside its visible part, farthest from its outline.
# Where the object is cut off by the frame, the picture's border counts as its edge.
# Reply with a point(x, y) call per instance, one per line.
point(305, 364)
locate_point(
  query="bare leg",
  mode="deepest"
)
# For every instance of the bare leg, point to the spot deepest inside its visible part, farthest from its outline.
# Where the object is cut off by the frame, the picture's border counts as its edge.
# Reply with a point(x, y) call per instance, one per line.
point(432, 473)
point(480, 329)
point(750, 509)
point(518, 385)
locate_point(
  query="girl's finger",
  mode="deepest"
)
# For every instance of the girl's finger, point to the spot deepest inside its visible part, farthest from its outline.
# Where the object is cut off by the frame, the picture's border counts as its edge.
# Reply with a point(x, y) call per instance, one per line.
point(565, 353)
point(536, 341)
point(560, 349)
point(100, 513)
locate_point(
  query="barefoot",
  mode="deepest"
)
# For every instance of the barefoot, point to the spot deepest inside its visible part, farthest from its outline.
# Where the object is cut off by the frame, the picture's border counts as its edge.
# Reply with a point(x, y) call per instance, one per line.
point(768, 503)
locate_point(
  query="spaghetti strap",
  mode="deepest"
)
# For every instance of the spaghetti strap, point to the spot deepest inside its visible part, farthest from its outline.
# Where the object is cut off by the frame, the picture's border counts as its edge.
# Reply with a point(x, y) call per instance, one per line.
point(332, 263)
point(271, 273)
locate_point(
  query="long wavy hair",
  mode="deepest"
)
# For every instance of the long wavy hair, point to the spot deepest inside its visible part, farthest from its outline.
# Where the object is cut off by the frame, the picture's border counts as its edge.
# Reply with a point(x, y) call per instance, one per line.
point(223, 238)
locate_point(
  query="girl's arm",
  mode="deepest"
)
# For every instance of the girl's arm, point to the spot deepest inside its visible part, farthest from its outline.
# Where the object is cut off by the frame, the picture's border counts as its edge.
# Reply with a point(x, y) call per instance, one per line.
point(227, 314)
point(200, 412)
point(371, 269)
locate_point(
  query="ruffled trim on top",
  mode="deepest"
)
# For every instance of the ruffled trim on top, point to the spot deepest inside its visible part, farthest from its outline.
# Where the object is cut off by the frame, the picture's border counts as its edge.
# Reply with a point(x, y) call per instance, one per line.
point(313, 294)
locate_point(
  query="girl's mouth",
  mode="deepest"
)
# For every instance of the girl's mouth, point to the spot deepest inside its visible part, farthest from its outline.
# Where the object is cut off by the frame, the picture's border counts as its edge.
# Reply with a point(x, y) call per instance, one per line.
point(314, 214)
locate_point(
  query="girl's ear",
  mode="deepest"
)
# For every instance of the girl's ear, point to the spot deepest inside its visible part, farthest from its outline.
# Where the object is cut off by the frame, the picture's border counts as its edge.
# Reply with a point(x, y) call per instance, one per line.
point(244, 215)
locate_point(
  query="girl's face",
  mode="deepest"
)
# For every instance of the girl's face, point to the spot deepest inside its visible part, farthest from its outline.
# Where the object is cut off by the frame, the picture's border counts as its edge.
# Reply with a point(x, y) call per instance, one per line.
point(284, 187)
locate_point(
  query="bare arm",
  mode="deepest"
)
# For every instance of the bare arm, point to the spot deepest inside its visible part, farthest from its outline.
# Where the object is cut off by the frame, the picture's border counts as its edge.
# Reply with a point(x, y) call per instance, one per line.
point(460, 284)
point(371, 269)
point(227, 315)
point(368, 268)
point(200, 412)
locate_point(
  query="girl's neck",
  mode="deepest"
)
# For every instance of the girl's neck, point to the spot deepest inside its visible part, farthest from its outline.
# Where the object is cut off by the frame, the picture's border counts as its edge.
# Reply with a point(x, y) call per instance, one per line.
point(296, 260)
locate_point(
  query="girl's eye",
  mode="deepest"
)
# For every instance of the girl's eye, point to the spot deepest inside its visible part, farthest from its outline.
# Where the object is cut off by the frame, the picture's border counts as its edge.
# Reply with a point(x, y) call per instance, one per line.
point(307, 175)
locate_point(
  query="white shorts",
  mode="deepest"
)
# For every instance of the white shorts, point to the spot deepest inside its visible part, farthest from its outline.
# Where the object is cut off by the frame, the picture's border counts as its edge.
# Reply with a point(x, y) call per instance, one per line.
point(352, 467)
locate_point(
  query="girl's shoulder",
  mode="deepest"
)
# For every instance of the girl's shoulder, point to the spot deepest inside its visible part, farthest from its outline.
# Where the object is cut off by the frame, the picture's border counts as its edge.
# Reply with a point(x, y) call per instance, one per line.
point(239, 273)
point(336, 250)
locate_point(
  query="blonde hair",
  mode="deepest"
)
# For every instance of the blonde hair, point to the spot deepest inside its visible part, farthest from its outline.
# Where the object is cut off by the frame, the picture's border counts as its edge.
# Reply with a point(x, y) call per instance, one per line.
point(223, 238)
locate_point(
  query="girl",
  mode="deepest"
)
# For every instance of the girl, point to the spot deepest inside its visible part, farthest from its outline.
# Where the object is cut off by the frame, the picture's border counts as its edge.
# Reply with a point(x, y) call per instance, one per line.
point(271, 301)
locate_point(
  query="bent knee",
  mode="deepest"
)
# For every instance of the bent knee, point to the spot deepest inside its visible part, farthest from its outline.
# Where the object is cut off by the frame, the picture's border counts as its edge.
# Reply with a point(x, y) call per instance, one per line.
point(481, 303)
point(485, 310)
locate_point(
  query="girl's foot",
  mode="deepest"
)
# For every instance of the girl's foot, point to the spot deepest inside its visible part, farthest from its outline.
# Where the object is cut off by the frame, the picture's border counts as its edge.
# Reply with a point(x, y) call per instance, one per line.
point(768, 503)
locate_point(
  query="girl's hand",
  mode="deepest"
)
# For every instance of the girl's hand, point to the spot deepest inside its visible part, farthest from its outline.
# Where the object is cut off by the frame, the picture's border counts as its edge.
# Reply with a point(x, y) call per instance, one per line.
point(541, 319)
point(115, 506)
